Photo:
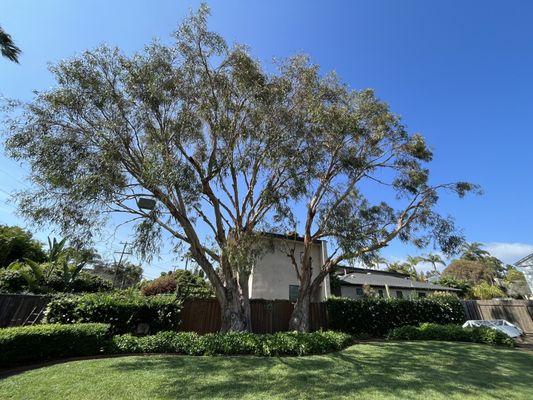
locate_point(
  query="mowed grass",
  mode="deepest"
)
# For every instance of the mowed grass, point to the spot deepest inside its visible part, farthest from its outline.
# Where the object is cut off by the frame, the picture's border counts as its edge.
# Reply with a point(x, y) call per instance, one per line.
point(416, 370)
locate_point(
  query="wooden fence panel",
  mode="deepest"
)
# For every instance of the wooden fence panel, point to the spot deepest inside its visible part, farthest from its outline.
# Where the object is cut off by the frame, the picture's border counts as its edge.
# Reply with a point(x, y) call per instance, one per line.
point(200, 316)
point(15, 309)
point(519, 312)
point(268, 316)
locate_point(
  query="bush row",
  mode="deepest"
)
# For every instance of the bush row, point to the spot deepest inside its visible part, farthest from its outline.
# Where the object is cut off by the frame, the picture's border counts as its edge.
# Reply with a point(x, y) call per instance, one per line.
point(125, 311)
point(233, 343)
point(451, 332)
point(25, 344)
point(39, 343)
point(377, 317)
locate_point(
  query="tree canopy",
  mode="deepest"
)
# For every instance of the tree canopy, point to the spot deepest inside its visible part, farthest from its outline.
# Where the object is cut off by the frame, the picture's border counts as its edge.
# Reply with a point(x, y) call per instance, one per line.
point(224, 147)
point(17, 244)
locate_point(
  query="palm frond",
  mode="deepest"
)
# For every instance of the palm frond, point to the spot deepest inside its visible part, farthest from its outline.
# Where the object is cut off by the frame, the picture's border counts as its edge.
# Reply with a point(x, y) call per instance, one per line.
point(8, 47)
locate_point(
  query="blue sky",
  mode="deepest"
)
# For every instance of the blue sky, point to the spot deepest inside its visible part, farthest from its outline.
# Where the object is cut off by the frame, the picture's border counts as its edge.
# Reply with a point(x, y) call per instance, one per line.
point(458, 72)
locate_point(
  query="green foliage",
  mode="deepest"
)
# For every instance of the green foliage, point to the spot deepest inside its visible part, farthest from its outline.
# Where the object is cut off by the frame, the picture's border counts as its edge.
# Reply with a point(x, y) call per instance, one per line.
point(84, 282)
point(122, 276)
point(274, 136)
point(474, 252)
point(184, 283)
point(450, 332)
point(472, 271)
point(486, 291)
point(449, 281)
point(125, 311)
point(30, 277)
point(233, 343)
point(17, 244)
point(39, 343)
point(376, 317)
point(12, 281)
point(514, 275)
point(8, 49)
point(515, 284)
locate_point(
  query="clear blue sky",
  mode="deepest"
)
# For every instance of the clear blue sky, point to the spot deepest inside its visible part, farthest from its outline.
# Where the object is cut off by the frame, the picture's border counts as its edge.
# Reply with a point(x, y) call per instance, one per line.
point(461, 73)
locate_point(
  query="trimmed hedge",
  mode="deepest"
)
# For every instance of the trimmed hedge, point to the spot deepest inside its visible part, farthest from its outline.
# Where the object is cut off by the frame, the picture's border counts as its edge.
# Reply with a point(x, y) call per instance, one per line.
point(376, 317)
point(37, 343)
point(126, 312)
point(233, 343)
point(451, 332)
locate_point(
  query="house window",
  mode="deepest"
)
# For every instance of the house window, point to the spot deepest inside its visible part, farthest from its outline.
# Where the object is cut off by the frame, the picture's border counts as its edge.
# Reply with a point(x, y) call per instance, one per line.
point(359, 292)
point(399, 294)
point(421, 294)
point(293, 293)
point(380, 293)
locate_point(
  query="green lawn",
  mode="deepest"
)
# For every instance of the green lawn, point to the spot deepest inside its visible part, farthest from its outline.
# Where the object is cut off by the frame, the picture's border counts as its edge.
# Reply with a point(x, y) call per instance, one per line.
point(416, 370)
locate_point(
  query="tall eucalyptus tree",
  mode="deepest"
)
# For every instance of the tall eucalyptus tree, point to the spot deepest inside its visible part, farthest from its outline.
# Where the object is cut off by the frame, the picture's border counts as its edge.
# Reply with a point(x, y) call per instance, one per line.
point(224, 150)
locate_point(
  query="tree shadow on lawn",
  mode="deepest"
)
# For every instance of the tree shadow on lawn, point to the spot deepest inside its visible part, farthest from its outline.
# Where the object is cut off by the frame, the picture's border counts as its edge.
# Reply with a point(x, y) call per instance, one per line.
point(387, 369)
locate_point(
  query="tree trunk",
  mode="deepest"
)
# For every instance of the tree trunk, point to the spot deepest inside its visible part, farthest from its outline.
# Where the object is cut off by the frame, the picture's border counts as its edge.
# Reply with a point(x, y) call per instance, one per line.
point(300, 315)
point(235, 310)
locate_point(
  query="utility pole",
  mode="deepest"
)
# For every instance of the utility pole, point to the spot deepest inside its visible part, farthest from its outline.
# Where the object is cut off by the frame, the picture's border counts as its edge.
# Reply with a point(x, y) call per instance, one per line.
point(119, 264)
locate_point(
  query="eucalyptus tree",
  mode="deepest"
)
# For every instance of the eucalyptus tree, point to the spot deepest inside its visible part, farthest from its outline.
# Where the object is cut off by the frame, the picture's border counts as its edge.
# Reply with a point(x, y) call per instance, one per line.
point(196, 130)
point(224, 150)
point(366, 178)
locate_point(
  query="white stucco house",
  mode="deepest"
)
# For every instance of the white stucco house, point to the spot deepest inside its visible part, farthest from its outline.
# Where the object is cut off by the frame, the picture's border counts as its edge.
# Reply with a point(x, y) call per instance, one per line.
point(273, 276)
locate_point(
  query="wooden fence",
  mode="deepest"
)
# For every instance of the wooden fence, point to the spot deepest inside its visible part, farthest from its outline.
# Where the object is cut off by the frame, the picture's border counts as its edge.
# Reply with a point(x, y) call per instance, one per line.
point(16, 309)
point(201, 316)
point(519, 312)
point(268, 316)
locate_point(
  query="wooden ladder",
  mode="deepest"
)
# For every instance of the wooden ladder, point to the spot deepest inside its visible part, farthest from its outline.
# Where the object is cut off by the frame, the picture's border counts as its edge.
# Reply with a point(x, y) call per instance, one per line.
point(34, 316)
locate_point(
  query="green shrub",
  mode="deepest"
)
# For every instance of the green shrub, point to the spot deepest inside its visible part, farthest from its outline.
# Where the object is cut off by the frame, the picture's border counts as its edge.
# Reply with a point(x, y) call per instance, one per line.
point(232, 343)
point(53, 341)
point(185, 284)
point(455, 333)
point(84, 282)
point(38, 343)
point(125, 311)
point(12, 281)
point(486, 291)
point(376, 317)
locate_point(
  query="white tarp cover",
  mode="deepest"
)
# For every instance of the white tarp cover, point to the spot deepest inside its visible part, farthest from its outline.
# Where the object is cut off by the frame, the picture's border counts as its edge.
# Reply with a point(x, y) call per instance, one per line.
point(498, 324)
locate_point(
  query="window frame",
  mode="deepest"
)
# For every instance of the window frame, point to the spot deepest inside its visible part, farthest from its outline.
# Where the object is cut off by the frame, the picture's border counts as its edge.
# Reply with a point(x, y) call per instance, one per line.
point(292, 299)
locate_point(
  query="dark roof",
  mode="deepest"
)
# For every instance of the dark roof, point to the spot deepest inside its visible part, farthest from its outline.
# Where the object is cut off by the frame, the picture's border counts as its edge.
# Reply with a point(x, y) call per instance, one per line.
point(287, 236)
point(391, 281)
point(341, 269)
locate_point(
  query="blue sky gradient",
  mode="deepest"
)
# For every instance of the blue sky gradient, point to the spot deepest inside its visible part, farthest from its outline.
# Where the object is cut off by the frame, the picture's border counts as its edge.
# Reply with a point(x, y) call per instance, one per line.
point(458, 72)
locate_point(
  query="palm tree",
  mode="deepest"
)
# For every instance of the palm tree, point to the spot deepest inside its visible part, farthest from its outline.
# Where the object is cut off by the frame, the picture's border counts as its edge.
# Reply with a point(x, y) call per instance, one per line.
point(473, 251)
point(8, 47)
point(412, 263)
point(377, 261)
point(434, 259)
point(406, 268)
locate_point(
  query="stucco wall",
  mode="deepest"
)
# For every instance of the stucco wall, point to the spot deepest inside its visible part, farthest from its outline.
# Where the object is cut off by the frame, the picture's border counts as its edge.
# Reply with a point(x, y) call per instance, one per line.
point(273, 272)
